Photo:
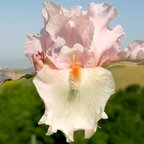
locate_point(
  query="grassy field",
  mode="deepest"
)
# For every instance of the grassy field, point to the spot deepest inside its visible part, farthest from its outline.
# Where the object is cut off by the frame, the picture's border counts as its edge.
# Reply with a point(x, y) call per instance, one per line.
point(129, 75)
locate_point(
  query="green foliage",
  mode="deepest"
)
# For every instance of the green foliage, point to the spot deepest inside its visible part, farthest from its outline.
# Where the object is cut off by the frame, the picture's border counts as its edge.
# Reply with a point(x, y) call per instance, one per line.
point(126, 119)
point(21, 108)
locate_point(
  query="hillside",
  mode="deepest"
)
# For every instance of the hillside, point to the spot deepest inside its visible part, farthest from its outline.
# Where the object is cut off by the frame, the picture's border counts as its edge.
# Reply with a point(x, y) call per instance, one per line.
point(125, 76)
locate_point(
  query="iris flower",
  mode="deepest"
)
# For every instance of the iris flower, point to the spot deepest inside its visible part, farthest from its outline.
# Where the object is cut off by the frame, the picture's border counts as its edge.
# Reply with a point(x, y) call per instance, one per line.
point(71, 56)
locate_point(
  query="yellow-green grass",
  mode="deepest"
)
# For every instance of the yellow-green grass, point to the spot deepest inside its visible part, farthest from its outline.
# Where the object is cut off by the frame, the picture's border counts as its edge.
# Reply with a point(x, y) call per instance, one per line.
point(129, 75)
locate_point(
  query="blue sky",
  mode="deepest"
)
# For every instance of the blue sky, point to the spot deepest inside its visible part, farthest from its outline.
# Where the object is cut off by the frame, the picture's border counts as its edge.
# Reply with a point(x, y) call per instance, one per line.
point(20, 17)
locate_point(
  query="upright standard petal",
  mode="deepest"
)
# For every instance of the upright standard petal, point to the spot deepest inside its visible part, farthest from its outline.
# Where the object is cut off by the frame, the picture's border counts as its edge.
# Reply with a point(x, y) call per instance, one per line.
point(104, 38)
point(50, 9)
point(101, 13)
point(74, 105)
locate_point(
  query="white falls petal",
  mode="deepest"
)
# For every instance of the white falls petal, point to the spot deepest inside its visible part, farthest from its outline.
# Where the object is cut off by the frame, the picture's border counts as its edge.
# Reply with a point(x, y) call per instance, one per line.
point(69, 110)
point(104, 115)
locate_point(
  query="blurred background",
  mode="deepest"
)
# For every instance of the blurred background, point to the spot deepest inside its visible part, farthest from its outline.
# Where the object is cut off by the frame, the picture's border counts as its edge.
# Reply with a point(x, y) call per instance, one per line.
point(20, 105)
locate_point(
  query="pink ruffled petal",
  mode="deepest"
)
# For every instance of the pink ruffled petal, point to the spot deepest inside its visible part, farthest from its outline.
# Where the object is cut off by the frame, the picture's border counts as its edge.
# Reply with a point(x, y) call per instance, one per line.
point(49, 10)
point(46, 42)
point(76, 10)
point(88, 59)
point(38, 60)
point(133, 53)
point(9, 75)
point(70, 55)
point(101, 14)
point(85, 29)
point(70, 33)
point(32, 45)
point(55, 24)
point(104, 38)
point(108, 54)
point(27, 72)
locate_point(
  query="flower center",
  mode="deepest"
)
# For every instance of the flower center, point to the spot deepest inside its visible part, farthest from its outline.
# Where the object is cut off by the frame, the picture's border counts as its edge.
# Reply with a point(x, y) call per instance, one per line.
point(75, 75)
point(76, 71)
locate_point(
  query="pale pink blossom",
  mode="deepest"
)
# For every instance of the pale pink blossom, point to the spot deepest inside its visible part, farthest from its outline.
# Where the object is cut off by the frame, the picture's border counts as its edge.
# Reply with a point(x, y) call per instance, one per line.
point(70, 56)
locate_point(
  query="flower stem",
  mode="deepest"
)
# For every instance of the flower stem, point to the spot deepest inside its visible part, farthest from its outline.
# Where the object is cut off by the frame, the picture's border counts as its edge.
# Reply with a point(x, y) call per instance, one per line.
point(79, 138)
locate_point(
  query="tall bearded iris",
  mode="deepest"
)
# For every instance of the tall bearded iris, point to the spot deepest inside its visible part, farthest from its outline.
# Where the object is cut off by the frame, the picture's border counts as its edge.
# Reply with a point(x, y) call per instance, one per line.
point(70, 56)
